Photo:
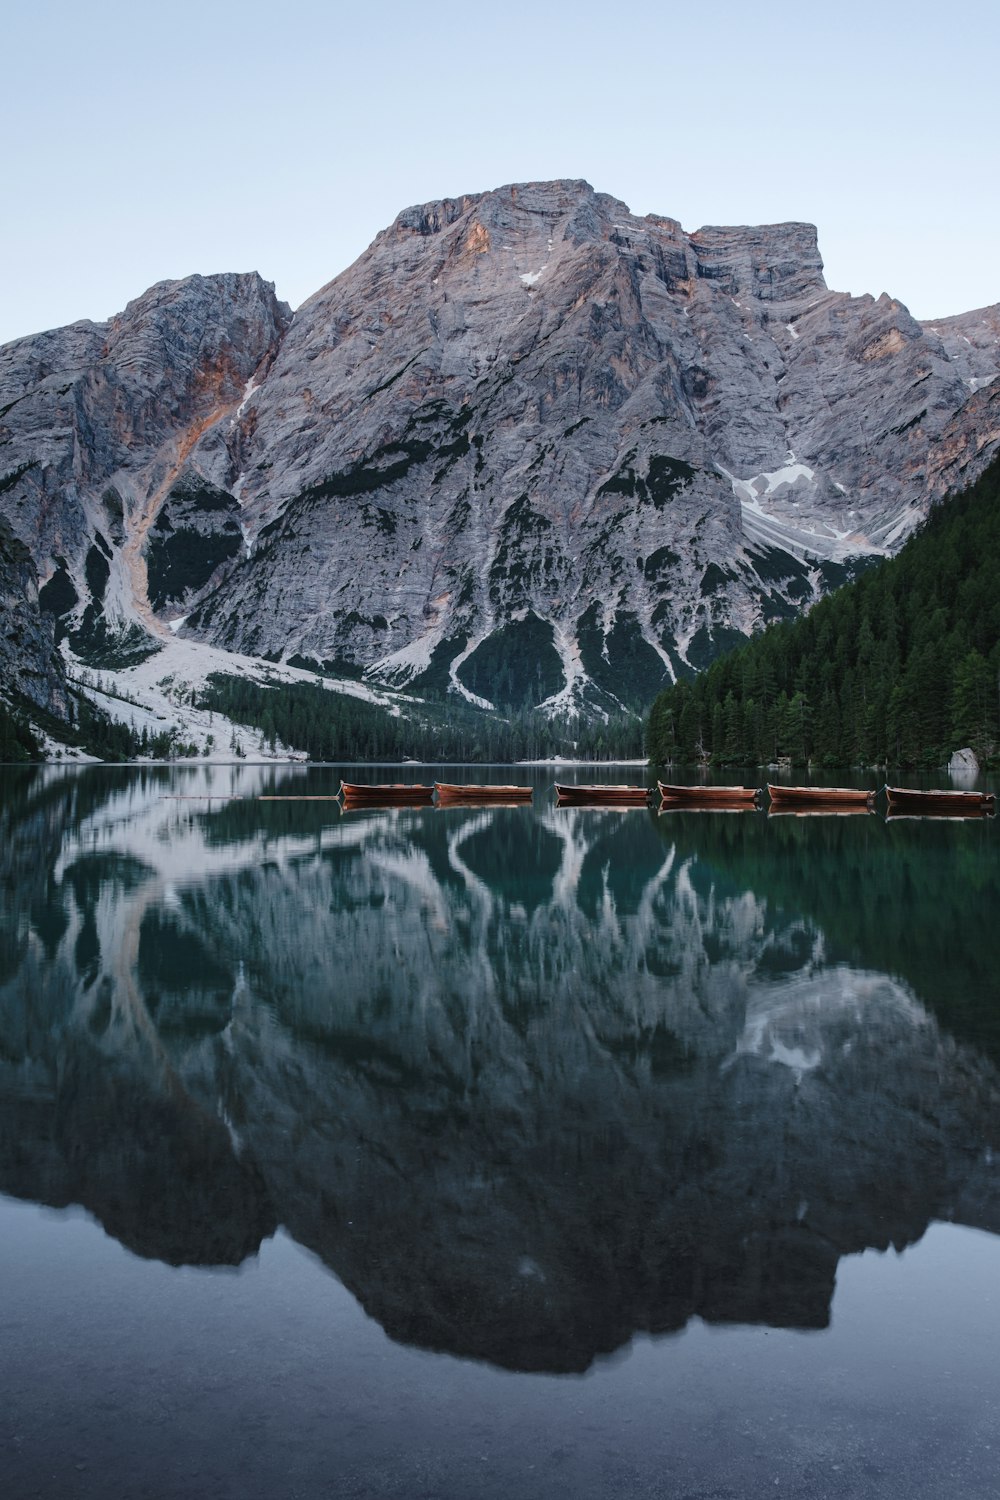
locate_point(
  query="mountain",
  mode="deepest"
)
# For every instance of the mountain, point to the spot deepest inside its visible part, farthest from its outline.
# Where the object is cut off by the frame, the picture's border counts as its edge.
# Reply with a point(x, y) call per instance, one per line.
point(900, 667)
point(530, 448)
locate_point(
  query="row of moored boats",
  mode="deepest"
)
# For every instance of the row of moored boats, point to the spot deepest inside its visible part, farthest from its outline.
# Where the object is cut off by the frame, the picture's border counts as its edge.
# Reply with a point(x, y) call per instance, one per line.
point(720, 798)
point(899, 799)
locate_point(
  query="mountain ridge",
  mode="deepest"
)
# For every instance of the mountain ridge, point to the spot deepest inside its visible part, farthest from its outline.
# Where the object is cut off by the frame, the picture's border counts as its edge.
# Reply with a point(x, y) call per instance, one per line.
point(530, 449)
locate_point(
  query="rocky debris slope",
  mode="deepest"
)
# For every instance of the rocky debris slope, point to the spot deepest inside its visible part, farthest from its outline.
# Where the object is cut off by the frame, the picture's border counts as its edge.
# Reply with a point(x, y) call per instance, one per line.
point(531, 448)
point(97, 426)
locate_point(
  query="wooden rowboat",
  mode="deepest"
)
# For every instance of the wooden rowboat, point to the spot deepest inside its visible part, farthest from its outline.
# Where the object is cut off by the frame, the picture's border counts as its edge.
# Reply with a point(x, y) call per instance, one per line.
point(606, 796)
point(469, 792)
point(388, 794)
point(820, 796)
point(699, 796)
point(905, 799)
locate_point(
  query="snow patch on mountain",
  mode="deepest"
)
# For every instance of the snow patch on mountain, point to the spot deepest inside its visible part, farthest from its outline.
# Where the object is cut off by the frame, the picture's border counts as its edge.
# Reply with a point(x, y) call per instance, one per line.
point(156, 695)
point(778, 508)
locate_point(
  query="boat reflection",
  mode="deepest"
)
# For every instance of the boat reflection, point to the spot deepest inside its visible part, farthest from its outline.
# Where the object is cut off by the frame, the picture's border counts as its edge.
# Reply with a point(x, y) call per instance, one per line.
point(719, 805)
point(953, 814)
point(827, 810)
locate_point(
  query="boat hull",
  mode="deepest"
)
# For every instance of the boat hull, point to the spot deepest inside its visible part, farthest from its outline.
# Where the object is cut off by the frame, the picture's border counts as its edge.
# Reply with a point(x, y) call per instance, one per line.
point(603, 796)
point(904, 799)
point(700, 796)
point(449, 792)
point(820, 797)
point(393, 794)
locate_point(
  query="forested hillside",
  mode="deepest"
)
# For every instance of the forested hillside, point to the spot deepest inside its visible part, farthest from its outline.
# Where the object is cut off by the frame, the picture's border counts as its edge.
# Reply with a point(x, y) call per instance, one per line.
point(17, 742)
point(898, 668)
point(333, 726)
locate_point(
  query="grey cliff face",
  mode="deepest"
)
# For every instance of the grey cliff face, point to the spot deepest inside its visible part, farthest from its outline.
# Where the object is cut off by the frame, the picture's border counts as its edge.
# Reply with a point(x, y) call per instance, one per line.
point(972, 342)
point(97, 423)
point(29, 667)
point(530, 448)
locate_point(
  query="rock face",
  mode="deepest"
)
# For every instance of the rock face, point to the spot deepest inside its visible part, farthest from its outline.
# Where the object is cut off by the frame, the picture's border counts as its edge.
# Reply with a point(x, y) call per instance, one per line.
point(530, 448)
point(964, 763)
point(97, 426)
point(972, 342)
point(29, 668)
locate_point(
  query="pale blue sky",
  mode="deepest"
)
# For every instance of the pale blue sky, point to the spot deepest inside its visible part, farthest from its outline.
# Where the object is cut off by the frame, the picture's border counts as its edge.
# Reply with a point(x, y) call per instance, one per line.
point(144, 140)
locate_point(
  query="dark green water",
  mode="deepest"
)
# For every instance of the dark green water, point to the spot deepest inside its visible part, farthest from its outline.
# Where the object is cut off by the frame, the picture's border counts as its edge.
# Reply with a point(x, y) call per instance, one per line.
point(526, 1151)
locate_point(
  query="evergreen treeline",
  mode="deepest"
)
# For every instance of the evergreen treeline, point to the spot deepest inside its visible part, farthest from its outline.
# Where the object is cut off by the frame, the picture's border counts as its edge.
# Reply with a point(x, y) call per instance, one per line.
point(112, 740)
point(900, 667)
point(333, 726)
point(87, 728)
point(17, 742)
point(328, 726)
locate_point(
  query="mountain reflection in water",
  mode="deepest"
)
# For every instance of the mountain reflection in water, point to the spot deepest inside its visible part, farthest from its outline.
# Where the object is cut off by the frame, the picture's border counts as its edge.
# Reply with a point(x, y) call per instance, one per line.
point(528, 1080)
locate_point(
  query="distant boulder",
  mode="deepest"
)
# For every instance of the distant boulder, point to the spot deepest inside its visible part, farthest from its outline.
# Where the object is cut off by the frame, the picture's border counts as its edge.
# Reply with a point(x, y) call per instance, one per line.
point(964, 763)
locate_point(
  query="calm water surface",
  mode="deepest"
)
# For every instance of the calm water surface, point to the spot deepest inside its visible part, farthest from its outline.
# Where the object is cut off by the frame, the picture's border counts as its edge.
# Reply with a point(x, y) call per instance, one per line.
point(497, 1152)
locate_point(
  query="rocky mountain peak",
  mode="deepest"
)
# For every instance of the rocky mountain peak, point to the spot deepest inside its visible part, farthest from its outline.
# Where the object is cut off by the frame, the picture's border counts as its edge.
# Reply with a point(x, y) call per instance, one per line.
point(430, 218)
point(529, 449)
point(773, 262)
point(98, 422)
point(204, 335)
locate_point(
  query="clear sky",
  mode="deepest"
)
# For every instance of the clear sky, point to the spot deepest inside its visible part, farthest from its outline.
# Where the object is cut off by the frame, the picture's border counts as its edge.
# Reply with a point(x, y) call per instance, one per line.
point(147, 140)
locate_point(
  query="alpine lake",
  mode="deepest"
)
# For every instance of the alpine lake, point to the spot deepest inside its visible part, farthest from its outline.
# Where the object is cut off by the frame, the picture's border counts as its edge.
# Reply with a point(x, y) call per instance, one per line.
point(528, 1151)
